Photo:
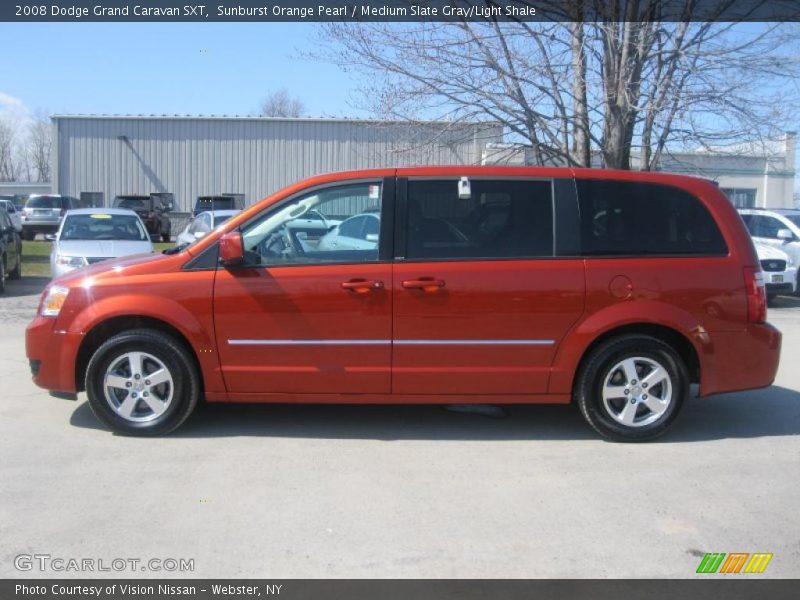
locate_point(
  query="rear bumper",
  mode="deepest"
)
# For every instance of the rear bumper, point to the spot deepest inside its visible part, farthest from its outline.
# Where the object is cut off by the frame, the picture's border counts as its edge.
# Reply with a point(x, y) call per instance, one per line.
point(744, 360)
point(52, 355)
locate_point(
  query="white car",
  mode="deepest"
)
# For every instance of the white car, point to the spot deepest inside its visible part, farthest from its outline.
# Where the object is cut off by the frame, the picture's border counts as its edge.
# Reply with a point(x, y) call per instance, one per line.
point(13, 214)
point(780, 271)
point(359, 232)
point(202, 224)
point(90, 235)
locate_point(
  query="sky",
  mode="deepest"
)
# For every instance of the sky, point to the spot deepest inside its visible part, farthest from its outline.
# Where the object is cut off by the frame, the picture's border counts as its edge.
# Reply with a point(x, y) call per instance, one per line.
point(164, 68)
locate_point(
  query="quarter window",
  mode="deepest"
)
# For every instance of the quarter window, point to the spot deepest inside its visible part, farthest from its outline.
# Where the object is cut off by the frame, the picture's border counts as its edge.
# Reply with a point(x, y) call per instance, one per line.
point(630, 218)
point(324, 226)
point(500, 219)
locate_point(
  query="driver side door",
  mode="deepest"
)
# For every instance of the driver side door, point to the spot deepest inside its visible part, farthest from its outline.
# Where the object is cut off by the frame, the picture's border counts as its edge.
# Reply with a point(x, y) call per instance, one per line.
point(300, 319)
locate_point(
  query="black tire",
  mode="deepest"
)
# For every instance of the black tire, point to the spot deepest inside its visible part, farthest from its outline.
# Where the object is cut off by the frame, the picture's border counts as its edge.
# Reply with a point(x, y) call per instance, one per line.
point(2, 275)
point(771, 298)
point(172, 354)
point(16, 274)
point(28, 235)
point(600, 364)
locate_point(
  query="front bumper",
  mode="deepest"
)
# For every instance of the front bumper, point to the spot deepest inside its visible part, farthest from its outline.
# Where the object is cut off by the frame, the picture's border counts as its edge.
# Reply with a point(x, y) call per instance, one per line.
point(52, 355)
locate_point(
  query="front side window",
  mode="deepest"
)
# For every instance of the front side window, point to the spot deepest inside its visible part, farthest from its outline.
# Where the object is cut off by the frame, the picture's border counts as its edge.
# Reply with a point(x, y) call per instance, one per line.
point(324, 226)
point(625, 218)
point(499, 219)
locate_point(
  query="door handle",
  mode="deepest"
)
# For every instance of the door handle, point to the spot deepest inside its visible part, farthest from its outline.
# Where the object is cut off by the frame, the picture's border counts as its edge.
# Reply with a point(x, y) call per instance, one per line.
point(426, 284)
point(362, 286)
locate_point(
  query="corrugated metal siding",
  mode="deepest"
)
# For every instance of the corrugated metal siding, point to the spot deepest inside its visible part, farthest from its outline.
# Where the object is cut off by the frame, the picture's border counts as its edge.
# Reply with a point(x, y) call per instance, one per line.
point(256, 157)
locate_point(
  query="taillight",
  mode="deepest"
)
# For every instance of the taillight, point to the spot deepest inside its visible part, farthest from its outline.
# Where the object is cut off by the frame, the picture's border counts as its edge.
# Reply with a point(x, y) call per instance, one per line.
point(756, 295)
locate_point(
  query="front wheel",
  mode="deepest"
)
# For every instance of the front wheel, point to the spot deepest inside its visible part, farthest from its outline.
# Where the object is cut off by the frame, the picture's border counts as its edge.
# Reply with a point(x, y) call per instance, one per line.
point(631, 388)
point(142, 382)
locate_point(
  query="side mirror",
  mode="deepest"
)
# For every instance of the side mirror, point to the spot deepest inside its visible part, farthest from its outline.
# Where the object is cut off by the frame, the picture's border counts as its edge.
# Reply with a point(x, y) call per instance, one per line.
point(50, 237)
point(231, 249)
point(785, 234)
point(372, 237)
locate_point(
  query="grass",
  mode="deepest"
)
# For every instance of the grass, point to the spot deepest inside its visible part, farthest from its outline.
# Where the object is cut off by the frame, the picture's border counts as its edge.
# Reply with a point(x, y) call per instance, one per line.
point(36, 257)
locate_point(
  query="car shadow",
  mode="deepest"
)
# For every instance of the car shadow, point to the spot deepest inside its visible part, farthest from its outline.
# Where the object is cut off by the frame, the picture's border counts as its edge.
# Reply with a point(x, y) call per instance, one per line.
point(773, 411)
point(785, 302)
point(27, 286)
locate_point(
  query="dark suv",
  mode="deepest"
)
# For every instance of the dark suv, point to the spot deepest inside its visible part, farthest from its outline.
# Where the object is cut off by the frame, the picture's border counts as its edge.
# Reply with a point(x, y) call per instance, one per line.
point(10, 251)
point(219, 202)
point(153, 210)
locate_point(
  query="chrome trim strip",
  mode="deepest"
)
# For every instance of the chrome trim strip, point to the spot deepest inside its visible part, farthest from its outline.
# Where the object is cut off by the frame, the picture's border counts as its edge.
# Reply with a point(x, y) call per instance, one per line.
point(309, 342)
point(474, 342)
point(388, 342)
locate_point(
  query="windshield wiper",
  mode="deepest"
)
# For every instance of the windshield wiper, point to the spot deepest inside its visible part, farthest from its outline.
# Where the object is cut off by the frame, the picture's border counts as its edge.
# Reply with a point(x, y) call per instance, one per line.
point(174, 249)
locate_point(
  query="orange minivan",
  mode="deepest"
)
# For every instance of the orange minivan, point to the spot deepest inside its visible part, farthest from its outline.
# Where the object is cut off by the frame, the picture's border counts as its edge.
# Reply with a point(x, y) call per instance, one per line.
point(613, 290)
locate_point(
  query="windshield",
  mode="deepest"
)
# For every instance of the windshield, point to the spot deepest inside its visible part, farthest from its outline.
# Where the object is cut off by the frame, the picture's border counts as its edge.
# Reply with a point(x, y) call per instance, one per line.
point(103, 226)
point(132, 203)
point(44, 202)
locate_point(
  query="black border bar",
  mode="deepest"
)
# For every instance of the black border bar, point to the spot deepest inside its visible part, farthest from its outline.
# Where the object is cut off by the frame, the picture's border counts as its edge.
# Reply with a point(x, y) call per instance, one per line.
point(397, 10)
point(734, 587)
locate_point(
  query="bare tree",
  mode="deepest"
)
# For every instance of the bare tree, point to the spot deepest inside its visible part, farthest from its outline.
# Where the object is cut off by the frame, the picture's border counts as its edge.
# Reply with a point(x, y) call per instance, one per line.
point(39, 149)
point(281, 104)
point(628, 87)
point(8, 166)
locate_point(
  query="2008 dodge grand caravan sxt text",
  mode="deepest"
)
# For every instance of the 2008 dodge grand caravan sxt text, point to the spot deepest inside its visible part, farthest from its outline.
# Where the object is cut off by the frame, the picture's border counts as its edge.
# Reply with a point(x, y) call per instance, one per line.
point(615, 290)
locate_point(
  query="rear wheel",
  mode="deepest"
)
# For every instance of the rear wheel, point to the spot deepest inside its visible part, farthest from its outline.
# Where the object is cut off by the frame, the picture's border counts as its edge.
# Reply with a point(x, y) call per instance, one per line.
point(631, 388)
point(16, 272)
point(142, 382)
point(2, 274)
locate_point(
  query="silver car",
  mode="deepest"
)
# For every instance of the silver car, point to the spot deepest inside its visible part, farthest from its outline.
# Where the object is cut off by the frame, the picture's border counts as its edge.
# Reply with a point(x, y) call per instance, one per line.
point(202, 224)
point(43, 213)
point(13, 214)
point(90, 235)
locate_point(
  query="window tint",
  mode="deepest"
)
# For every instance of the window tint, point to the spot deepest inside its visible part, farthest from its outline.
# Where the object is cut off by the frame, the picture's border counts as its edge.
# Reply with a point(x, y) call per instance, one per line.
point(764, 226)
point(501, 219)
point(629, 218)
point(44, 202)
point(290, 235)
point(352, 227)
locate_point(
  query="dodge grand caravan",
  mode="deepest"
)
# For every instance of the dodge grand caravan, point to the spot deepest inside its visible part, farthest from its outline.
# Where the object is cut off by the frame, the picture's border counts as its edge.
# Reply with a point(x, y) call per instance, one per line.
point(612, 290)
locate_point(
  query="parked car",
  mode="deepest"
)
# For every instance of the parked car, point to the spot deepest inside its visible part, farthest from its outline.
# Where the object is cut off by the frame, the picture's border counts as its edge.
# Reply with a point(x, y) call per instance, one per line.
point(43, 213)
point(780, 272)
point(153, 210)
point(13, 214)
point(202, 224)
point(18, 200)
point(356, 233)
point(218, 202)
point(10, 251)
point(778, 228)
point(614, 290)
point(91, 235)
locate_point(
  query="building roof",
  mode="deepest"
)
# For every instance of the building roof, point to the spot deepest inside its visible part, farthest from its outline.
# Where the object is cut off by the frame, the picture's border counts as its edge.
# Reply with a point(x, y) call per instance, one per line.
point(261, 118)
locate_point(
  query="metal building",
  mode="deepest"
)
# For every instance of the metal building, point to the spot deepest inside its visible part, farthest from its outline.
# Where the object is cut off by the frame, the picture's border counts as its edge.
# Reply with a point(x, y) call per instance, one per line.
point(105, 156)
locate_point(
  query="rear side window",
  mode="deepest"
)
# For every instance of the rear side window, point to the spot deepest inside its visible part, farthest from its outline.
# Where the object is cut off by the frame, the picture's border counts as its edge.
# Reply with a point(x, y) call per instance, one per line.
point(622, 218)
point(500, 219)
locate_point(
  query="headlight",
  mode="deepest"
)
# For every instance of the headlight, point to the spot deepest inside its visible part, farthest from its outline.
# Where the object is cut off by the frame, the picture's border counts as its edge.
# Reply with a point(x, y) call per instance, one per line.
point(53, 300)
point(71, 261)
